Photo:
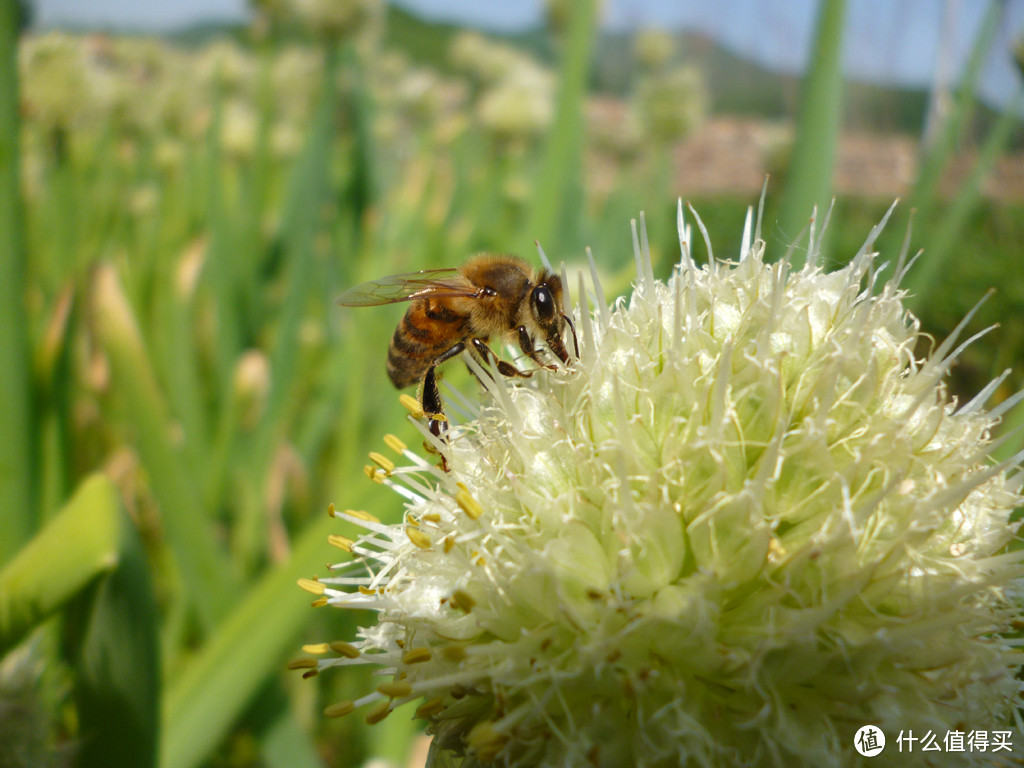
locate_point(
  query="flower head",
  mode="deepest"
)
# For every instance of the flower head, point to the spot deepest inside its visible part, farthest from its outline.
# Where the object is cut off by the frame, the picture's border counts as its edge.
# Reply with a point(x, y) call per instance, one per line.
point(745, 522)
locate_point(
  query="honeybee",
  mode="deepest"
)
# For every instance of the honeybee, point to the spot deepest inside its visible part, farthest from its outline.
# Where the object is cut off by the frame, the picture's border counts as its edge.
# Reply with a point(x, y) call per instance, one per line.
point(452, 310)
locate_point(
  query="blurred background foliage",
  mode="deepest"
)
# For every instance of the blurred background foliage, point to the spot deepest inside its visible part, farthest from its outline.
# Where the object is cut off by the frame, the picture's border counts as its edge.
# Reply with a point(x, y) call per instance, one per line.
point(181, 399)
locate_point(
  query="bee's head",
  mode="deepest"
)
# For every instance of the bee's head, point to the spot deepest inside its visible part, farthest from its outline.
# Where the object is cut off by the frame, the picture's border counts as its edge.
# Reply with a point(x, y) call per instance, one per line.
point(546, 306)
point(546, 302)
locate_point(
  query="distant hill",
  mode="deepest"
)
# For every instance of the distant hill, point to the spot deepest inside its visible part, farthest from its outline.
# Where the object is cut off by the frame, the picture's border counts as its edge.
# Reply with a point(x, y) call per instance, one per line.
point(425, 42)
point(736, 85)
point(196, 35)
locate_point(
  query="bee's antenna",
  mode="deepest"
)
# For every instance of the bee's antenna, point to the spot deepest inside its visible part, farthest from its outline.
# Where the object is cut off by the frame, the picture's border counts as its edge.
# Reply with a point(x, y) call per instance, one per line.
point(575, 340)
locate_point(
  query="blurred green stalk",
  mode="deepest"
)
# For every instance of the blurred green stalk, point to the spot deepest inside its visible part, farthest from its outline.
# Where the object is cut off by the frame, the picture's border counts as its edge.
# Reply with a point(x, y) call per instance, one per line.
point(209, 581)
point(947, 233)
point(559, 180)
point(17, 447)
point(947, 230)
point(937, 153)
point(817, 130)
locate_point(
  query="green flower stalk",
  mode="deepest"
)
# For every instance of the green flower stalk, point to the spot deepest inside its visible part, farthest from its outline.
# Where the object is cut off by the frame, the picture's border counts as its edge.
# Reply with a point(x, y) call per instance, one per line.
point(748, 520)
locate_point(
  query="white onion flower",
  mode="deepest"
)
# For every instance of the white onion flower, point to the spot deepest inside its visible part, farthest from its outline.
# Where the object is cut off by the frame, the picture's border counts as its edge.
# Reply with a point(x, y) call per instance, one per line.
point(746, 522)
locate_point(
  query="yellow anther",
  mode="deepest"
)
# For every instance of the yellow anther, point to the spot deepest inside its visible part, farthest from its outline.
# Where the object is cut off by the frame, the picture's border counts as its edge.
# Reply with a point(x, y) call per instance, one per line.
point(485, 741)
point(345, 649)
point(379, 712)
point(317, 648)
point(359, 514)
point(463, 600)
point(418, 537)
point(374, 473)
point(312, 585)
point(410, 520)
point(394, 443)
point(341, 542)
point(340, 709)
point(412, 405)
point(320, 602)
point(367, 591)
point(396, 690)
point(468, 504)
point(305, 663)
point(310, 673)
point(454, 652)
point(382, 461)
point(416, 655)
point(331, 510)
point(449, 542)
point(430, 708)
point(431, 517)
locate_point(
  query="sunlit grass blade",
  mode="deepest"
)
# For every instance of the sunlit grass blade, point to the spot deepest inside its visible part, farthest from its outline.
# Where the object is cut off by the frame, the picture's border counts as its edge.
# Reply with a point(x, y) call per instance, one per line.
point(18, 512)
point(208, 698)
point(558, 180)
point(202, 567)
point(809, 180)
point(81, 543)
point(113, 632)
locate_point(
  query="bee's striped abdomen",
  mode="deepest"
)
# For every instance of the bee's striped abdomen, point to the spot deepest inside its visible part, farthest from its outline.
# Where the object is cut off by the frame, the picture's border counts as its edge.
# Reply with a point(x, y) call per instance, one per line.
point(428, 328)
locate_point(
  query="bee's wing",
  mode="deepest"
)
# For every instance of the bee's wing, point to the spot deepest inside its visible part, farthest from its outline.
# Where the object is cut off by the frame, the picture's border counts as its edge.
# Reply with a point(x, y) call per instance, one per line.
point(437, 283)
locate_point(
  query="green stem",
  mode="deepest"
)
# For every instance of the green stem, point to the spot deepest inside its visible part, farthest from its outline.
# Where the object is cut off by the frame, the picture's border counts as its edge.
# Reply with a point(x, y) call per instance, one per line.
point(18, 513)
point(560, 170)
point(810, 175)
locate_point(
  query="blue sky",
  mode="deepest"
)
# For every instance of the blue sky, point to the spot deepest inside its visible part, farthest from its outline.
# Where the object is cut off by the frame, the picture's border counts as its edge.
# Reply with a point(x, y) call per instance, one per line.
point(888, 41)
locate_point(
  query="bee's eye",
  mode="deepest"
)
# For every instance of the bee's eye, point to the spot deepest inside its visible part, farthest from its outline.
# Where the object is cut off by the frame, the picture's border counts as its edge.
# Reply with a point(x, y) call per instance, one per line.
point(544, 304)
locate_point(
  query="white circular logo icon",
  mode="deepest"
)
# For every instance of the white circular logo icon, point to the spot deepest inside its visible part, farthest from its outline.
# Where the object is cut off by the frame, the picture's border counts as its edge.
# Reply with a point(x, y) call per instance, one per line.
point(869, 740)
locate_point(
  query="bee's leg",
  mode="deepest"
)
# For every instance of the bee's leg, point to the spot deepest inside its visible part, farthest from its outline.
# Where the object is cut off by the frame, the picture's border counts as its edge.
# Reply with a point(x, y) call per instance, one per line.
point(505, 368)
point(430, 397)
point(526, 344)
point(483, 353)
